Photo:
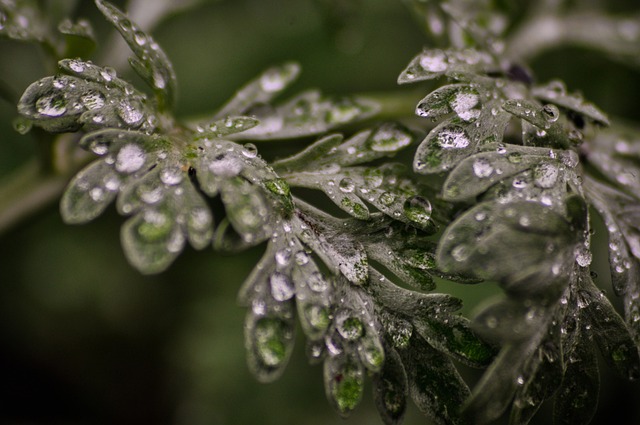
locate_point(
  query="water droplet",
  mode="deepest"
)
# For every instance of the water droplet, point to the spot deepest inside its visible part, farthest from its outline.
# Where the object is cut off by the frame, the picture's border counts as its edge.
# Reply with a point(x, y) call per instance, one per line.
point(140, 38)
point(418, 210)
point(514, 157)
point(389, 138)
point(159, 80)
point(97, 194)
point(546, 175)
point(93, 100)
point(250, 150)
point(482, 168)
point(76, 66)
point(22, 125)
point(583, 256)
point(283, 257)
point(52, 105)
point(373, 177)
point(453, 137)
point(318, 317)
point(317, 282)
point(387, 199)
point(349, 326)
point(225, 165)
point(130, 159)
point(273, 81)
point(108, 74)
point(270, 341)
point(129, 113)
point(301, 258)
point(463, 104)
point(460, 253)
point(281, 287)
point(171, 176)
point(433, 61)
point(347, 185)
point(550, 113)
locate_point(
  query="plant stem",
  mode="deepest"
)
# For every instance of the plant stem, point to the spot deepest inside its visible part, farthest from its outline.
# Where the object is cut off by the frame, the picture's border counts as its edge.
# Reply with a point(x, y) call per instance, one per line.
point(26, 191)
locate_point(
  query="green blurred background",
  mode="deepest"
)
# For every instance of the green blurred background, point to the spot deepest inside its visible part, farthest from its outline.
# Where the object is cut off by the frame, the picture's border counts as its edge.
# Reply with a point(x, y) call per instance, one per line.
point(85, 339)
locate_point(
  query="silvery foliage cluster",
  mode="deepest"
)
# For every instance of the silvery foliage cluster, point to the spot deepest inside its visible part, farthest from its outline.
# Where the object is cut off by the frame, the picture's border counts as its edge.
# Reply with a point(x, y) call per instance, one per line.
point(521, 162)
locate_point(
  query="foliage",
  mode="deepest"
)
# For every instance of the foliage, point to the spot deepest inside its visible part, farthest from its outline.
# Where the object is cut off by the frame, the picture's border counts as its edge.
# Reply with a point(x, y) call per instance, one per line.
point(499, 190)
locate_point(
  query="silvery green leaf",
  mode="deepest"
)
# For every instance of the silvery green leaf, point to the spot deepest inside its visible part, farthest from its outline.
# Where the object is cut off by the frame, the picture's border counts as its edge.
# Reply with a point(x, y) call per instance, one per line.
point(609, 331)
point(262, 90)
point(150, 62)
point(453, 140)
point(340, 252)
point(510, 242)
point(477, 173)
point(510, 320)
point(577, 398)
point(67, 103)
point(555, 92)
point(343, 382)
point(549, 131)
point(608, 202)
point(332, 152)
point(23, 20)
point(434, 63)
point(247, 209)
point(308, 114)
point(434, 383)
point(621, 169)
point(452, 335)
point(400, 300)
point(269, 339)
point(390, 388)
point(152, 240)
point(89, 193)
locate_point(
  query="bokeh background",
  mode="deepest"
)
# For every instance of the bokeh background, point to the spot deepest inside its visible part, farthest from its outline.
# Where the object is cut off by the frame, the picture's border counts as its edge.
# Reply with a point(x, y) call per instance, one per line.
point(85, 339)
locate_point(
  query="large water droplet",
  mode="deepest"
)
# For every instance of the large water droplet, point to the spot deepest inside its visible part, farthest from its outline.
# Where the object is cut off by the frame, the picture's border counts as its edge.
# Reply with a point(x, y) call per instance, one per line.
point(463, 104)
point(52, 105)
point(482, 168)
point(129, 113)
point(453, 137)
point(389, 138)
point(130, 158)
point(225, 165)
point(418, 210)
point(93, 100)
point(318, 316)
point(550, 113)
point(270, 341)
point(433, 61)
point(347, 185)
point(546, 175)
point(281, 287)
point(171, 176)
point(317, 282)
point(349, 326)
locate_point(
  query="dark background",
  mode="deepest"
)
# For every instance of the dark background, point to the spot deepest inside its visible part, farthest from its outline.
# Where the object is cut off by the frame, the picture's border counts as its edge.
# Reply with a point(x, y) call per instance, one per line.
point(85, 339)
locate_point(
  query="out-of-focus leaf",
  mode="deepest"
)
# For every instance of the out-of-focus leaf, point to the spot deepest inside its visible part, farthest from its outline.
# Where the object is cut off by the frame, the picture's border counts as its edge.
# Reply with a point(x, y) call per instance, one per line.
point(343, 382)
point(556, 93)
point(79, 37)
point(390, 388)
point(434, 63)
point(150, 62)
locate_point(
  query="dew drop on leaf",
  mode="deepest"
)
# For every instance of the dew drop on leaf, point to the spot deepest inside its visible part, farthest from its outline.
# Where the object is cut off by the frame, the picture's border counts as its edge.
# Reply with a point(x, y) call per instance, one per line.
point(270, 343)
point(453, 137)
point(281, 286)
point(317, 282)
point(349, 326)
point(347, 185)
point(482, 168)
point(550, 113)
point(433, 61)
point(129, 113)
point(389, 138)
point(546, 175)
point(93, 100)
point(171, 176)
point(51, 105)
point(418, 210)
point(250, 150)
point(130, 159)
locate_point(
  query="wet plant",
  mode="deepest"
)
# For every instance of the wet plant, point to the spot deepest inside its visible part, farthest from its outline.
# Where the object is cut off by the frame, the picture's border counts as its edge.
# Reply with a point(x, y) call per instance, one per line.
point(503, 178)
